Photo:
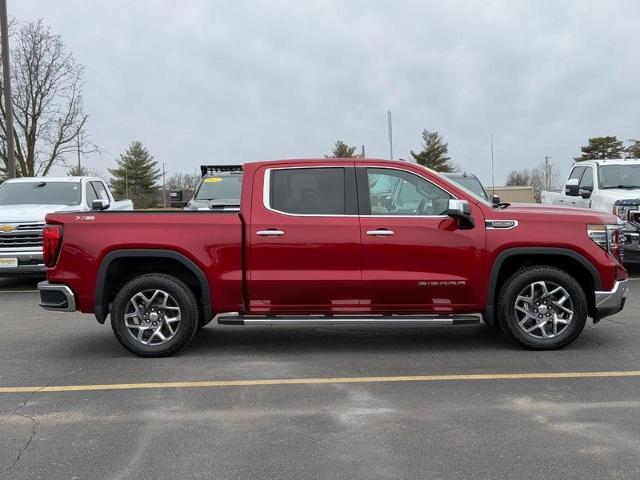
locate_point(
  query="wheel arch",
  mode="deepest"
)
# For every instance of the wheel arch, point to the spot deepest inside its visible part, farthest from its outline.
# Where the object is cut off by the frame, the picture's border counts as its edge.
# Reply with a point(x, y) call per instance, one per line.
point(167, 261)
point(510, 260)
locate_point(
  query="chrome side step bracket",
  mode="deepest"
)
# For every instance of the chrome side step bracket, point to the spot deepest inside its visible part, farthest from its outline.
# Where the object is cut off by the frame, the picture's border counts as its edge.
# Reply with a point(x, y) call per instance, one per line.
point(324, 320)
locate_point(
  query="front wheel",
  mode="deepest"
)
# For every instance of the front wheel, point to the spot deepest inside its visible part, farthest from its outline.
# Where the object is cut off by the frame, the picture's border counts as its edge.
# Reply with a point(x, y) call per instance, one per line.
point(154, 315)
point(542, 308)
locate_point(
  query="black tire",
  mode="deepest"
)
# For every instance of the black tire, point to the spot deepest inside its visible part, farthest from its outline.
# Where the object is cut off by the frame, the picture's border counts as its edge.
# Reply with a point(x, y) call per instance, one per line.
point(181, 296)
point(509, 318)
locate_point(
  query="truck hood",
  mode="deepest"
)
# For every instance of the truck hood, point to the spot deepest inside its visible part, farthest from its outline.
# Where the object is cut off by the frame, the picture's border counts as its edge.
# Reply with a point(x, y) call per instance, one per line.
point(613, 194)
point(30, 213)
point(523, 210)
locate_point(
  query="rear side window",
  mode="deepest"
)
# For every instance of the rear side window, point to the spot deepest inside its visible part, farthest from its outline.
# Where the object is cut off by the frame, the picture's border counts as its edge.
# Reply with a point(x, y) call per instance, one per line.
point(308, 191)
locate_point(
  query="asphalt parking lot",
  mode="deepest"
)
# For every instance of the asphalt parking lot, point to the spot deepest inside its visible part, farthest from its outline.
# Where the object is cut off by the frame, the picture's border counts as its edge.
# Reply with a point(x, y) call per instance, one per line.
point(361, 403)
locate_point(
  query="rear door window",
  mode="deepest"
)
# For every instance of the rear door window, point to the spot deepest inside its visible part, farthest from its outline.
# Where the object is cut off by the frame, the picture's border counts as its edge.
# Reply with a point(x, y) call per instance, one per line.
point(308, 191)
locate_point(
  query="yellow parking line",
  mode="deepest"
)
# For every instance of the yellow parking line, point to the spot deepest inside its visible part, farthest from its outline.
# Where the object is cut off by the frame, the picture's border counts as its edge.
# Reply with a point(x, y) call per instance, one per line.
point(318, 381)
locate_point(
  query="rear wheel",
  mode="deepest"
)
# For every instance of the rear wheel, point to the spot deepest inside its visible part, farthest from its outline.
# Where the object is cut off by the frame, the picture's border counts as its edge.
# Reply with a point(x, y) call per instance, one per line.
point(542, 308)
point(154, 315)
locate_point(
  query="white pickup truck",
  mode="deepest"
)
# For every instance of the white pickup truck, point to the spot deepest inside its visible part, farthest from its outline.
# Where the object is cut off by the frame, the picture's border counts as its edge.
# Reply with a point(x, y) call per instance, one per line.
point(24, 202)
point(612, 186)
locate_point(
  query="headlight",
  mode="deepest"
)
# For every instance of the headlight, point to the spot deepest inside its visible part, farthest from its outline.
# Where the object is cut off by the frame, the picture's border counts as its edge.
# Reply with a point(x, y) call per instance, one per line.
point(622, 211)
point(608, 237)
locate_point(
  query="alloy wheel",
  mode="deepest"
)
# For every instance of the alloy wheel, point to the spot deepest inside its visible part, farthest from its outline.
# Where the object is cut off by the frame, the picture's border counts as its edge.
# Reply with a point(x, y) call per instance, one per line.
point(152, 317)
point(544, 309)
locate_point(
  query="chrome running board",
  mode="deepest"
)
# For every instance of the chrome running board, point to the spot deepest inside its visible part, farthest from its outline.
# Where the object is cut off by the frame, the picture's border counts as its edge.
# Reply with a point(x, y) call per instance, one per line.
point(324, 320)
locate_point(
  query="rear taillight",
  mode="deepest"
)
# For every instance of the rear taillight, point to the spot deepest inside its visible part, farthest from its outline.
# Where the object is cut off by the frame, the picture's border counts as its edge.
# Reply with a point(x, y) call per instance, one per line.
point(51, 242)
point(609, 238)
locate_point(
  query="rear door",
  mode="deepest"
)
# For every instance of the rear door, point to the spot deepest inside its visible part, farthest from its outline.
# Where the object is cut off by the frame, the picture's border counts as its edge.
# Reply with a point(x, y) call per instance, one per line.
point(414, 257)
point(304, 240)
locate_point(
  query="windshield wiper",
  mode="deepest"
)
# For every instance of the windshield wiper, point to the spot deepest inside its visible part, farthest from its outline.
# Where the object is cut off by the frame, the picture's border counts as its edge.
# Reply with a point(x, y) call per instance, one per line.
point(501, 205)
point(626, 187)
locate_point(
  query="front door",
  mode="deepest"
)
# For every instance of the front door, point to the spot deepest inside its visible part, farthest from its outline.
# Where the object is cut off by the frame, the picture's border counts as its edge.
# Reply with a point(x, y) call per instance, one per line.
point(414, 257)
point(304, 240)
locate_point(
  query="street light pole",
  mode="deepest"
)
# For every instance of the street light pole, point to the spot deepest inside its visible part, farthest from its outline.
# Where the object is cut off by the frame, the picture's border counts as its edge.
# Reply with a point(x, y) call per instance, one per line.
point(164, 187)
point(6, 83)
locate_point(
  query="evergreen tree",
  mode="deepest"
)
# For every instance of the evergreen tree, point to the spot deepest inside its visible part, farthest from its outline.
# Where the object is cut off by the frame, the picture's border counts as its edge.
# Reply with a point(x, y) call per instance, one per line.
point(602, 147)
point(139, 170)
point(633, 150)
point(342, 150)
point(78, 171)
point(434, 153)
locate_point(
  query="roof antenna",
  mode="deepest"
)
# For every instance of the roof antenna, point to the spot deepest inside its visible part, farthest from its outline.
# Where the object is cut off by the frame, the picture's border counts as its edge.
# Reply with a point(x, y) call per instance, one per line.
point(493, 172)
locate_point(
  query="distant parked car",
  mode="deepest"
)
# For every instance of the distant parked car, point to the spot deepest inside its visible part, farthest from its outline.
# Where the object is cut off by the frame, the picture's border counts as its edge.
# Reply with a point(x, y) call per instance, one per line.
point(219, 188)
point(24, 202)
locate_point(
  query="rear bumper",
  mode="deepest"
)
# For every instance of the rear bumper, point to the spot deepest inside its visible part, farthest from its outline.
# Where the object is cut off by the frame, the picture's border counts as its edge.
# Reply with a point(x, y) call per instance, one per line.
point(57, 297)
point(28, 262)
point(610, 302)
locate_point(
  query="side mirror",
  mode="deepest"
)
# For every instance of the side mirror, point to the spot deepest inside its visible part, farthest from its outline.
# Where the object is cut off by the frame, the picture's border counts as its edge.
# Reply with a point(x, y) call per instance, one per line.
point(585, 192)
point(100, 204)
point(495, 199)
point(461, 211)
point(571, 188)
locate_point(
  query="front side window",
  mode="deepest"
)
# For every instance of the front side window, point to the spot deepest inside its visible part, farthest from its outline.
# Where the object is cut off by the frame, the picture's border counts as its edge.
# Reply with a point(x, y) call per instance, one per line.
point(308, 191)
point(587, 179)
point(101, 191)
point(576, 173)
point(91, 194)
point(395, 192)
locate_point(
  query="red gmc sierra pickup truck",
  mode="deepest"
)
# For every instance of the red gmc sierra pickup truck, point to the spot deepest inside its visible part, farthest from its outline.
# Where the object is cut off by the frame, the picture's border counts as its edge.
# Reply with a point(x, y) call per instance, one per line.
point(320, 242)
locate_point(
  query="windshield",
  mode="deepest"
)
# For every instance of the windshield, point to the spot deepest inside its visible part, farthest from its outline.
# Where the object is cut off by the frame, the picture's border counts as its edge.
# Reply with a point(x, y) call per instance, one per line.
point(220, 188)
point(619, 176)
point(40, 193)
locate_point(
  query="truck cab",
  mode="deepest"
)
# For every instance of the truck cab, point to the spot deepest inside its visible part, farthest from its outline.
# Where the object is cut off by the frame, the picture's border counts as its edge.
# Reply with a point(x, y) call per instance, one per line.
point(611, 186)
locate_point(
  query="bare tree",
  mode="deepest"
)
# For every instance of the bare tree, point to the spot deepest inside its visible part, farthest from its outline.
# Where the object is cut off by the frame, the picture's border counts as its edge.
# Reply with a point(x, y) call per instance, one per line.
point(48, 111)
point(183, 181)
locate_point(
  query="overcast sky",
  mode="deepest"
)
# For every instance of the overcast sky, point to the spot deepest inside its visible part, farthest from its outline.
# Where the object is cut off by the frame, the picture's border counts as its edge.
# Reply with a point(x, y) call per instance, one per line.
point(205, 81)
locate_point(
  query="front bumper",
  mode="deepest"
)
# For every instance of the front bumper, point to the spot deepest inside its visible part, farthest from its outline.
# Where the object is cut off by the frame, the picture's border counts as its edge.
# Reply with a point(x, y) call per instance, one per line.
point(631, 246)
point(56, 297)
point(28, 261)
point(610, 302)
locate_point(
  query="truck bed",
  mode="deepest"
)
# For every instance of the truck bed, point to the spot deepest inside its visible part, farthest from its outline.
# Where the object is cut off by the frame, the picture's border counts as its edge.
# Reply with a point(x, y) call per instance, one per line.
point(211, 240)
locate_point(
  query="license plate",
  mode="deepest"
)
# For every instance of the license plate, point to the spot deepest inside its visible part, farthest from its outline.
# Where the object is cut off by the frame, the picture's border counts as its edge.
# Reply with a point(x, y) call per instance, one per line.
point(8, 263)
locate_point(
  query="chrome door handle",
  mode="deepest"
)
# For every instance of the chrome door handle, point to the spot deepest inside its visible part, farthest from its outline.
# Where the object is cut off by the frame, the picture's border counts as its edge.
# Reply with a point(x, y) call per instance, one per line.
point(382, 232)
point(270, 233)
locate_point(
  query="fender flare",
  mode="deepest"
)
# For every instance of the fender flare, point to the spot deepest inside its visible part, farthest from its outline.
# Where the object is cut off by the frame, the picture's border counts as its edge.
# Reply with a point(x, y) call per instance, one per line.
point(101, 307)
point(489, 315)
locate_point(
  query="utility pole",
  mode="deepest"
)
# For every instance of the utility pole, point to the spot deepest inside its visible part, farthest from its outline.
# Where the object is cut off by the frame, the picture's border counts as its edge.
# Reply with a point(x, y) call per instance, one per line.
point(126, 182)
point(6, 83)
point(363, 155)
point(79, 165)
point(164, 187)
point(546, 173)
point(390, 132)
